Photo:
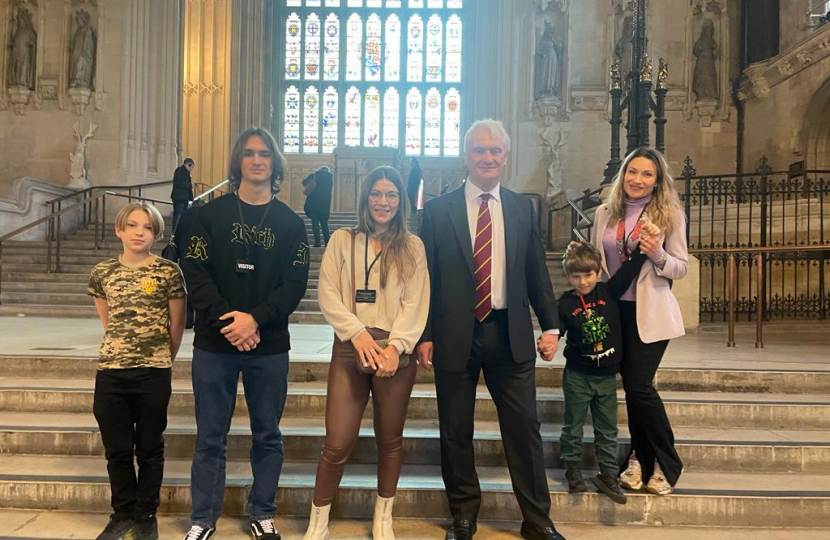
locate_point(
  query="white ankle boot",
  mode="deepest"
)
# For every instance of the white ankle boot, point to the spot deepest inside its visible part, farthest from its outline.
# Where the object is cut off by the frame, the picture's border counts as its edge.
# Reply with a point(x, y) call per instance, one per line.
point(382, 526)
point(318, 524)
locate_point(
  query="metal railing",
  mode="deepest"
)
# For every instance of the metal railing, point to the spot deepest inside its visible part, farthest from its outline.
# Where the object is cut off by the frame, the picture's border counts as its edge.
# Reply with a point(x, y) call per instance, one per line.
point(579, 220)
point(93, 210)
point(760, 210)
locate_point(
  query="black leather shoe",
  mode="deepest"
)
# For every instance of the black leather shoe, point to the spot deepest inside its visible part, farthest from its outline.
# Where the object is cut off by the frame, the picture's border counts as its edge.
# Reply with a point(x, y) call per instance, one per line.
point(462, 529)
point(532, 532)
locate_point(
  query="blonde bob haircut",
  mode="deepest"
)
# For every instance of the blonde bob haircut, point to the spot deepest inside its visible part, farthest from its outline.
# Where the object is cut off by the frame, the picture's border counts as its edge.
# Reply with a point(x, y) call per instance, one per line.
point(153, 215)
point(664, 209)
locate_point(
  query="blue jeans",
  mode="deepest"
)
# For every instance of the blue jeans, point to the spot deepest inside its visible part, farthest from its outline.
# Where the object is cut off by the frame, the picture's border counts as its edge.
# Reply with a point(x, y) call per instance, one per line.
point(215, 378)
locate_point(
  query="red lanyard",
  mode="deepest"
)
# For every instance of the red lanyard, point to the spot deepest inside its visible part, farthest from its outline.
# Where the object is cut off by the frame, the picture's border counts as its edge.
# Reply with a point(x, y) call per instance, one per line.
point(622, 241)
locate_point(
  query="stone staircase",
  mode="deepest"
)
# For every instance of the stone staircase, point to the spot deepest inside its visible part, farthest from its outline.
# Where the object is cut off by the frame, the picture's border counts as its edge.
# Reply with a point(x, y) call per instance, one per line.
point(754, 443)
point(29, 290)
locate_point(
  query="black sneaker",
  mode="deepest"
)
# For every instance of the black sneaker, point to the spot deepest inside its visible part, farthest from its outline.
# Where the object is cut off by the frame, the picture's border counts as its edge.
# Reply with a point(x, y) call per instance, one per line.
point(116, 528)
point(610, 485)
point(145, 527)
point(264, 529)
point(198, 532)
point(576, 484)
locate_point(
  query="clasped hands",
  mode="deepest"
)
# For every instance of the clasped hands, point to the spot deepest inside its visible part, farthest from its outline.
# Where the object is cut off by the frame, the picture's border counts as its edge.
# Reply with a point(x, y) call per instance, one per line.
point(243, 332)
point(383, 361)
point(546, 346)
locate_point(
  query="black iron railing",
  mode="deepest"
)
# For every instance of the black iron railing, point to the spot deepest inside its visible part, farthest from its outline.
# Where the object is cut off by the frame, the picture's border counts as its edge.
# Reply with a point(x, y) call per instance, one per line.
point(762, 209)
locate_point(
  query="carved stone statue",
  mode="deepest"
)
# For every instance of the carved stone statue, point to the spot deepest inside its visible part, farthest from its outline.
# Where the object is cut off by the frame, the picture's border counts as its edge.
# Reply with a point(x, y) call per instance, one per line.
point(548, 65)
point(705, 80)
point(82, 53)
point(78, 164)
point(23, 49)
point(554, 171)
point(622, 50)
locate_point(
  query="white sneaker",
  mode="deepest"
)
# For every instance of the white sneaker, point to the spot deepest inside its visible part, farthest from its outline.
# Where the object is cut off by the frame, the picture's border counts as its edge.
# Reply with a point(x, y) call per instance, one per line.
point(658, 484)
point(632, 477)
point(199, 533)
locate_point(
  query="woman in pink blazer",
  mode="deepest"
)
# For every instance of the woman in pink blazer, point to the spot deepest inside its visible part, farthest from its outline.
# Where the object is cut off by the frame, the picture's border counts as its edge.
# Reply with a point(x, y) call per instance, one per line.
point(643, 191)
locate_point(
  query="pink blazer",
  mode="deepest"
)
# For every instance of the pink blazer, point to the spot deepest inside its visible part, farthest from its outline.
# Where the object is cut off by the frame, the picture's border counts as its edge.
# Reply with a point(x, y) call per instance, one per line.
point(658, 314)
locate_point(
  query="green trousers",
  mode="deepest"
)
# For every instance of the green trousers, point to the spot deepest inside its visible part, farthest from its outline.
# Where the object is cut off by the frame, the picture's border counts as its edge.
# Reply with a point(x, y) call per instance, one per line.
point(599, 393)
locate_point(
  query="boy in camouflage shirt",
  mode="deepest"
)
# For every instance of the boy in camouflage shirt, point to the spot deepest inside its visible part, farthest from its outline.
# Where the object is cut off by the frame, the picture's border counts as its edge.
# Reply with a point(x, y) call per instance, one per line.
point(140, 299)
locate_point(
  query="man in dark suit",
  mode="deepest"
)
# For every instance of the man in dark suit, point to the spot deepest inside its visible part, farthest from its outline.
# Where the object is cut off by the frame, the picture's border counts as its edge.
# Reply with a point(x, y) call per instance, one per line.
point(182, 192)
point(487, 267)
point(318, 203)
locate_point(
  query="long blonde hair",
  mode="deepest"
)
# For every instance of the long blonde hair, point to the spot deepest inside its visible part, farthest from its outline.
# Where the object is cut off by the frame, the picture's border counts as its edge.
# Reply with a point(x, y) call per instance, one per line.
point(396, 244)
point(664, 207)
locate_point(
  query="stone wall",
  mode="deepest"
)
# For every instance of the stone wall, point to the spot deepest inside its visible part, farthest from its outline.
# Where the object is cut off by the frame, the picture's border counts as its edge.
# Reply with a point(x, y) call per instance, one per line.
point(787, 104)
point(134, 95)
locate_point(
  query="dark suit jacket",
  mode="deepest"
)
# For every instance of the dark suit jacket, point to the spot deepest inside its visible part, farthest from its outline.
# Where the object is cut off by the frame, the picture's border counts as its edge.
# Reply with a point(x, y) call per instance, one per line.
point(318, 202)
point(446, 236)
point(182, 187)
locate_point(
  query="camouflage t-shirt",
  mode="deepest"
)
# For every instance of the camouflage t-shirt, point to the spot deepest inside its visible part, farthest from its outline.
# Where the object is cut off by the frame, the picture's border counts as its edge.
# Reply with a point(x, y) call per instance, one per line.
point(137, 312)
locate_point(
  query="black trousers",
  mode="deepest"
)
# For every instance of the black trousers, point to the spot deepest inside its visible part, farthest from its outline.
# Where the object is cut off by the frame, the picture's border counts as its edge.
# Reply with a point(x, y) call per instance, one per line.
point(131, 409)
point(512, 386)
point(318, 223)
point(651, 435)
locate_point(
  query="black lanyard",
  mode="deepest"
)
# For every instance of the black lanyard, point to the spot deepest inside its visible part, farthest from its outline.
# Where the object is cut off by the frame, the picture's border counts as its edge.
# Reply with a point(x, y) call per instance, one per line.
point(242, 222)
point(366, 264)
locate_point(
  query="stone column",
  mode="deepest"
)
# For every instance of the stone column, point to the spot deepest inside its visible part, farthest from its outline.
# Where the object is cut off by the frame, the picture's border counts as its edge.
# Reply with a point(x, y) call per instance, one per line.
point(252, 65)
point(206, 135)
point(151, 77)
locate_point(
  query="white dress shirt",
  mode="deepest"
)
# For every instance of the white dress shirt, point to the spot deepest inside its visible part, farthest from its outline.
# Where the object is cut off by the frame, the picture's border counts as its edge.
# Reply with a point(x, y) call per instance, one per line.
point(498, 264)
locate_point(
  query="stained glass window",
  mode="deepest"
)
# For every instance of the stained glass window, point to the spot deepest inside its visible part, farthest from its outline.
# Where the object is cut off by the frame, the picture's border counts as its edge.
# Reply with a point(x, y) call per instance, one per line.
point(373, 33)
point(330, 124)
point(312, 47)
point(413, 122)
point(292, 46)
point(291, 144)
point(452, 123)
point(434, 49)
point(331, 54)
point(432, 123)
point(415, 49)
point(391, 117)
point(373, 73)
point(453, 73)
point(311, 120)
point(371, 124)
point(352, 131)
point(392, 55)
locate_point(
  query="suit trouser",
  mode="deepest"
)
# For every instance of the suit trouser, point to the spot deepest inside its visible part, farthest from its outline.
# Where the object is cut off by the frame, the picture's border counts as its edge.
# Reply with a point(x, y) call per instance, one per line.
point(512, 386)
point(651, 433)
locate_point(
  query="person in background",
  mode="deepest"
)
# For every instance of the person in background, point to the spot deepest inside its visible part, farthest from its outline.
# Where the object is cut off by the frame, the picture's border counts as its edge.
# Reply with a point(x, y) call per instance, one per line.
point(182, 192)
point(413, 183)
point(317, 188)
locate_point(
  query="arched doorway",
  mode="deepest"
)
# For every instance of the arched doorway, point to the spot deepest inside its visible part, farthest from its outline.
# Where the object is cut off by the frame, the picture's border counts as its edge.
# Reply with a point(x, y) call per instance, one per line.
point(816, 130)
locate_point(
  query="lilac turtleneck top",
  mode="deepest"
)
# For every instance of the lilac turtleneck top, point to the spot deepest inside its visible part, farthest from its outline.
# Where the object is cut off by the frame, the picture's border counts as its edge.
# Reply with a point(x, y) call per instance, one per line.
point(633, 209)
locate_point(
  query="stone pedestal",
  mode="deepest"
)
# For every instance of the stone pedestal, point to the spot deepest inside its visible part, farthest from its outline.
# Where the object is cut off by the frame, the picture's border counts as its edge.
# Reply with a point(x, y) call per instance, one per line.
point(19, 96)
point(80, 99)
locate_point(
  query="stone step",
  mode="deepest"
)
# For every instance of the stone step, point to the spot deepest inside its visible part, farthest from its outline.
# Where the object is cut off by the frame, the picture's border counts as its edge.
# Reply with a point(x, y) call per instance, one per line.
point(37, 255)
point(726, 449)
point(313, 273)
point(52, 525)
point(44, 277)
point(738, 499)
point(307, 400)
point(88, 312)
point(10, 298)
point(305, 368)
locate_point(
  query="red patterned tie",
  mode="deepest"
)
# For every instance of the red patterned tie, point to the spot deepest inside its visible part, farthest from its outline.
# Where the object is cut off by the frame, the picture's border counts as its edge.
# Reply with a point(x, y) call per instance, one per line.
point(482, 259)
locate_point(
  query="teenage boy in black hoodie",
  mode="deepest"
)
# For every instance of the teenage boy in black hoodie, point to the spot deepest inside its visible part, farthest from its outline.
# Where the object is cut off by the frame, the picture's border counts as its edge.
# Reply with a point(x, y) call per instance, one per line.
point(590, 317)
point(246, 267)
